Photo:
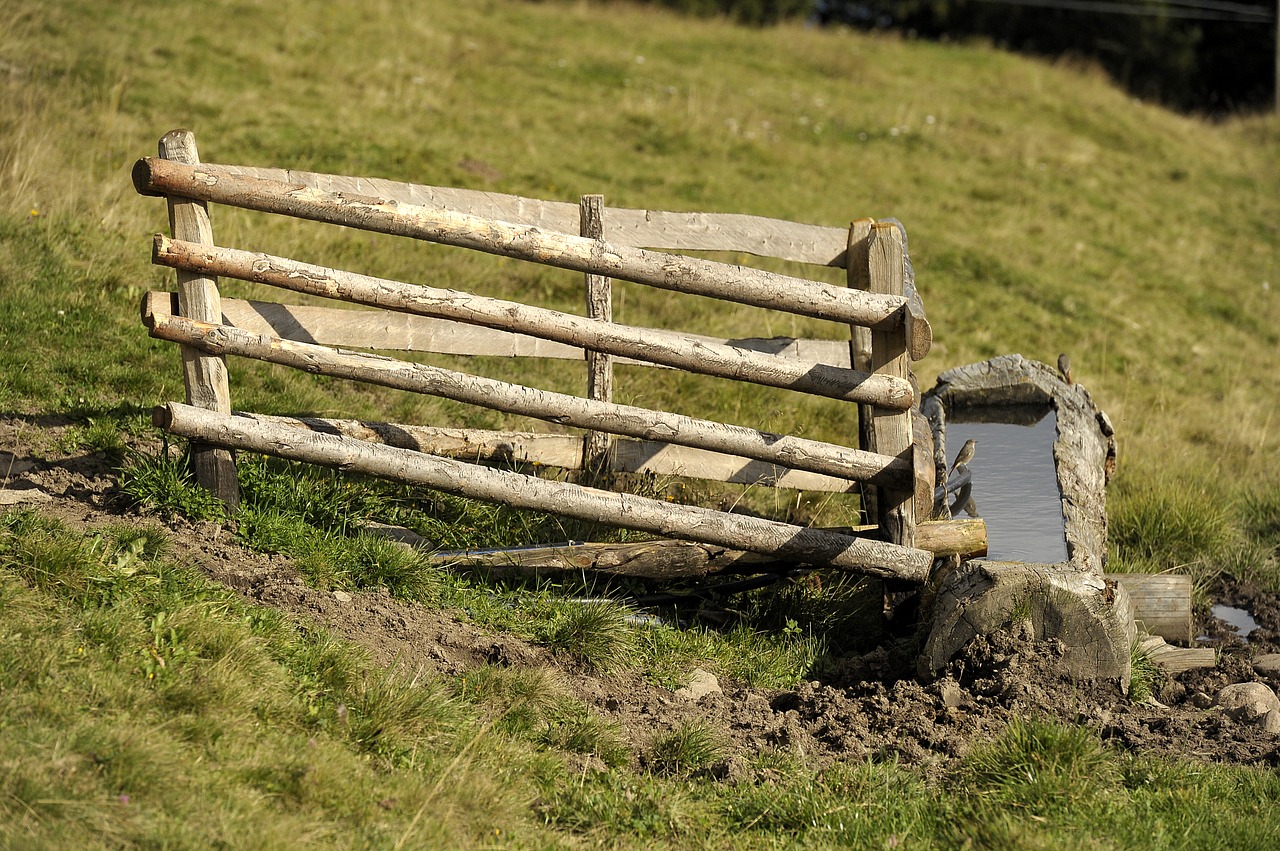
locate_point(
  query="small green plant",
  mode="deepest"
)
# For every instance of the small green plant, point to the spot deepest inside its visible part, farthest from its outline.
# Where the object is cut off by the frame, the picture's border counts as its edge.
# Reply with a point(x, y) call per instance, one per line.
point(689, 748)
point(596, 634)
point(163, 481)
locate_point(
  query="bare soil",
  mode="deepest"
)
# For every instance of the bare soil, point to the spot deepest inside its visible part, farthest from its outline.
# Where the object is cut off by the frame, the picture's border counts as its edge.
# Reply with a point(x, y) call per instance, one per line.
point(868, 706)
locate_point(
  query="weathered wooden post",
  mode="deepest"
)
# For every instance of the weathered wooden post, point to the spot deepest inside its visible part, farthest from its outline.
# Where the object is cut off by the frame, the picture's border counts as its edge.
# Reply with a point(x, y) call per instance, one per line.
point(597, 445)
point(860, 351)
point(205, 375)
point(891, 429)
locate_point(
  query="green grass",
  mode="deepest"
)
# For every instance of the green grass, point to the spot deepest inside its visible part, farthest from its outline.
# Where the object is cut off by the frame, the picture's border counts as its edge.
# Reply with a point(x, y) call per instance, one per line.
point(1047, 211)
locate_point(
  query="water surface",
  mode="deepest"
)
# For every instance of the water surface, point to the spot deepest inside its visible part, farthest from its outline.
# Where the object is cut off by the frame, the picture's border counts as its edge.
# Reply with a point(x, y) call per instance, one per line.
point(1015, 483)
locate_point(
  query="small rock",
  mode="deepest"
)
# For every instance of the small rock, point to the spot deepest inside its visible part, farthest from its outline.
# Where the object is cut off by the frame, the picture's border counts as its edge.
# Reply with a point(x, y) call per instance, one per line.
point(1247, 701)
point(1200, 700)
point(1268, 665)
point(1270, 723)
point(701, 684)
point(342, 596)
point(951, 693)
point(25, 495)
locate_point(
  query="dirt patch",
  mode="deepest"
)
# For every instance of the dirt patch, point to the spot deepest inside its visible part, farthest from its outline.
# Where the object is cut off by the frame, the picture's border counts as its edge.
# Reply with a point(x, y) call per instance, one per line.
point(865, 706)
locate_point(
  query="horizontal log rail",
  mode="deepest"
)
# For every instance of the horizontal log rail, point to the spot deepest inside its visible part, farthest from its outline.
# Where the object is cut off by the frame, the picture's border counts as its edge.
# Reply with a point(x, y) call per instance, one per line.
point(767, 537)
point(662, 347)
point(795, 452)
point(744, 285)
point(626, 455)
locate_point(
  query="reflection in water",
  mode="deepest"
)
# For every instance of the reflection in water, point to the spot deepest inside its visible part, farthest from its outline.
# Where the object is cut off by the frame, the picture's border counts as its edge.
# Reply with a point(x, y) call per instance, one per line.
point(1238, 619)
point(1013, 485)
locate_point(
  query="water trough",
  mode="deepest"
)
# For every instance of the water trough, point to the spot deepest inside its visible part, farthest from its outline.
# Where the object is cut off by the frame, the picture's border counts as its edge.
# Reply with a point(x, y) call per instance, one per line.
point(1038, 478)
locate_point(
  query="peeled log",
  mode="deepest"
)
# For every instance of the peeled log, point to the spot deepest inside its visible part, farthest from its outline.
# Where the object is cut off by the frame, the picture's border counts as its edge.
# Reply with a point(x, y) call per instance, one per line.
point(692, 275)
point(780, 540)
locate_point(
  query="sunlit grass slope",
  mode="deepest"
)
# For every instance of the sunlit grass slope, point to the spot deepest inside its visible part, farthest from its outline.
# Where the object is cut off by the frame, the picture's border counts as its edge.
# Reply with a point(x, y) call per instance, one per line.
point(1047, 212)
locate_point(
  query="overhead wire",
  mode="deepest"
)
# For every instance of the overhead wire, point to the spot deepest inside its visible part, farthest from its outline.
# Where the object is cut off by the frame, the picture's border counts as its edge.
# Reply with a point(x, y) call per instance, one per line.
point(1200, 10)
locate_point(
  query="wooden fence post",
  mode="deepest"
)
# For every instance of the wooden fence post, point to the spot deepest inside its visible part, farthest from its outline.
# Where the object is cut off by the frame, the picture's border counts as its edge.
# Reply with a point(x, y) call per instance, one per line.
point(891, 430)
point(205, 375)
point(597, 445)
point(860, 354)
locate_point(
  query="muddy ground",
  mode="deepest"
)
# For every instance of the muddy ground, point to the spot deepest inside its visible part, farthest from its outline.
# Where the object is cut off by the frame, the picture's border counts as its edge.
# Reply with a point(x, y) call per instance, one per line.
point(869, 706)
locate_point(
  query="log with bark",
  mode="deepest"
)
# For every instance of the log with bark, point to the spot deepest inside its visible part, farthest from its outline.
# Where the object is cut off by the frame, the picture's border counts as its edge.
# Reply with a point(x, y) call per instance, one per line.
point(783, 541)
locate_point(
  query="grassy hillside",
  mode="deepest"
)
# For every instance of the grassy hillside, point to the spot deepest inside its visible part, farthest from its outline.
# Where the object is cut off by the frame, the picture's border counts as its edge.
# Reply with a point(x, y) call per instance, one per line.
point(1047, 212)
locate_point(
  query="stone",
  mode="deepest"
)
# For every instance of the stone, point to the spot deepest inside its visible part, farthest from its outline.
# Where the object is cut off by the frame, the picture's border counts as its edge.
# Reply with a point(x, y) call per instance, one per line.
point(342, 596)
point(701, 684)
point(1247, 701)
point(1270, 723)
point(9, 496)
point(1268, 665)
point(951, 693)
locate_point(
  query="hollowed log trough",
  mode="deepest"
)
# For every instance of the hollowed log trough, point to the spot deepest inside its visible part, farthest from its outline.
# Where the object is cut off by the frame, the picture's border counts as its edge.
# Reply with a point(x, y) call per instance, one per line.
point(1070, 601)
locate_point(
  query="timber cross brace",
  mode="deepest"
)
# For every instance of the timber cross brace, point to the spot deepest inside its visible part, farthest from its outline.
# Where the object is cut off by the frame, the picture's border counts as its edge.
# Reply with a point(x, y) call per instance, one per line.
point(892, 467)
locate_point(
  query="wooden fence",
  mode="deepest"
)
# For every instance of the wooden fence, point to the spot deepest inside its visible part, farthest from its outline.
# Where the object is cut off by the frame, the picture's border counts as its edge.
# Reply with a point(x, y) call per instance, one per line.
point(872, 369)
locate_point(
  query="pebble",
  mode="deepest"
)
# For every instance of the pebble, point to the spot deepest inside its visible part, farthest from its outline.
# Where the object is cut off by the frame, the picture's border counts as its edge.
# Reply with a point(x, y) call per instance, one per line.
point(1200, 700)
point(19, 497)
point(951, 693)
point(1268, 665)
point(1270, 723)
point(342, 596)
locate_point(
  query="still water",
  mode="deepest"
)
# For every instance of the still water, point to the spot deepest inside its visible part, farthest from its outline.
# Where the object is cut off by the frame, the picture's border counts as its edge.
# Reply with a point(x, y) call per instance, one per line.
point(1015, 483)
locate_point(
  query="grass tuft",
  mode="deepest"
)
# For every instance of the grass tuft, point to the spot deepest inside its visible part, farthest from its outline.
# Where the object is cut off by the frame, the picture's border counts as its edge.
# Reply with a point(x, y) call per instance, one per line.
point(1040, 767)
point(598, 635)
point(688, 749)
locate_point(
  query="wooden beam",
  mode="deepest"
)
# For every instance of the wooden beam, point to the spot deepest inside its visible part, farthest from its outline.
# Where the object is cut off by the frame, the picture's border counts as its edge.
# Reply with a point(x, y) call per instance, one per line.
point(596, 444)
point(679, 273)
point(780, 540)
point(789, 451)
point(758, 235)
point(668, 559)
point(565, 451)
point(671, 349)
point(204, 375)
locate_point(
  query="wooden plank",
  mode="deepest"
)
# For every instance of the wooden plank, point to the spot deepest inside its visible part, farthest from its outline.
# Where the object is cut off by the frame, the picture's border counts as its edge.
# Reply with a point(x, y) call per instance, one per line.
point(764, 237)
point(660, 559)
point(1161, 603)
point(669, 348)
point(679, 273)
point(385, 330)
point(476, 445)
point(596, 444)
point(565, 451)
point(1177, 660)
point(795, 452)
point(668, 559)
point(891, 430)
point(780, 540)
point(204, 375)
